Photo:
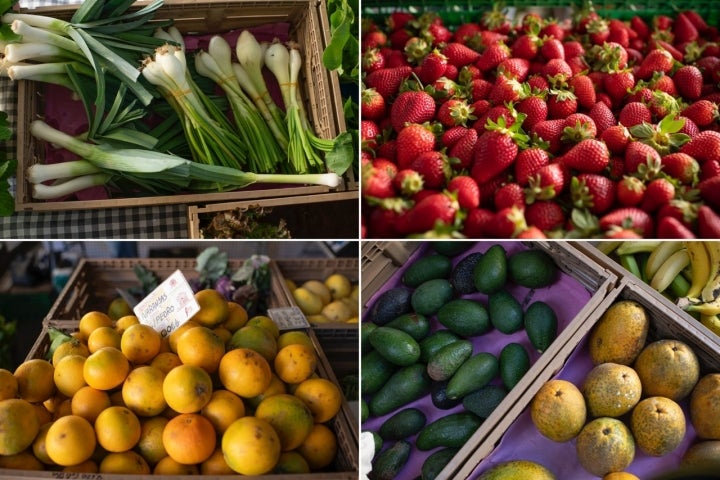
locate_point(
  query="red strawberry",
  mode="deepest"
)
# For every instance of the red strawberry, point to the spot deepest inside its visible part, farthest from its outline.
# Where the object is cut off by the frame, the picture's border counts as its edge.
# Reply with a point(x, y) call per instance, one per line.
point(508, 195)
point(528, 162)
point(535, 110)
point(545, 215)
point(592, 191)
point(702, 112)
point(477, 223)
point(466, 32)
point(531, 233)
point(684, 29)
point(588, 156)
point(434, 210)
point(658, 193)
point(547, 183)
point(372, 104)
point(638, 154)
point(619, 33)
point(411, 142)
point(505, 91)
point(492, 56)
point(383, 220)
point(398, 20)
point(704, 146)
point(553, 29)
point(496, 149)
point(629, 218)
point(374, 39)
point(411, 107)
point(508, 223)
point(573, 49)
point(452, 135)
point(387, 165)
point(617, 138)
point(387, 149)
point(583, 88)
point(550, 131)
point(455, 112)
point(689, 81)
point(578, 126)
point(616, 168)
point(602, 116)
point(682, 167)
point(467, 190)
point(708, 222)
point(561, 104)
point(480, 89)
point(671, 227)
point(683, 210)
point(434, 167)
point(617, 85)
point(710, 192)
point(655, 61)
point(369, 131)
point(387, 80)
point(408, 182)
point(640, 27)
point(377, 183)
point(459, 55)
point(373, 60)
point(689, 128)
point(517, 68)
point(464, 150)
point(432, 67)
point(556, 68)
point(697, 20)
point(634, 113)
point(525, 46)
point(630, 191)
point(439, 33)
point(709, 169)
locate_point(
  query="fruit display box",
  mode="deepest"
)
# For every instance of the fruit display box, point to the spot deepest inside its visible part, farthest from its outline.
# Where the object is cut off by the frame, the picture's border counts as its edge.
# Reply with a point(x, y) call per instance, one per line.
point(344, 467)
point(580, 279)
point(302, 21)
point(516, 437)
point(300, 212)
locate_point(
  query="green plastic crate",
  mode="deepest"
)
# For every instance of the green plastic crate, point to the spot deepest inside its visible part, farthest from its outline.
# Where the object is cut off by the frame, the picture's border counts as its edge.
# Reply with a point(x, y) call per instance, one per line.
point(460, 11)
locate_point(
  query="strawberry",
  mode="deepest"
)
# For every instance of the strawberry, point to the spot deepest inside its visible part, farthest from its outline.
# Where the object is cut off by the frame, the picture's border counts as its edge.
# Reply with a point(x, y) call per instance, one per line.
point(459, 55)
point(552, 49)
point(374, 39)
point(505, 90)
point(630, 191)
point(658, 193)
point(455, 112)
point(671, 227)
point(655, 61)
point(549, 131)
point(634, 113)
point(525, 46)
point(383, 219)
point(387, 80)
point(466, 32)
point(588, 156)
point(411, 142)
point(387, 165)
point(684, 211)
point(697, 20)
point(438, 33)
point(387, 149)
point(372, 104)
point(493, 56)
point(561, 104)
point(477, 223)
point(480, 89)
point(701, 112)
point(467, 190)
point(638, 154)
point(432, 67)
point(681, 166)
point(573, 49)
point(708, 222)
point(369, 131)
point(398, 20)
point(710, 192)
point(408, 182)
point(451, 73)
point(602, 116)
point(689, 81)
point(434, 167)
point(584, 90)
point(496, 149)
point(463, 152)
point(411, 107)
point(617, 85)
point(452, 135)
point(545, 215)
point(373, 60)
point(531, 233)
point(592, 191)
point(617, 138)
point(709, 169)
point(639, 26)
point(629, 218)
point(704, 146)
point(433, 210)
point(609, 57)
point(578, 126)
point(508, 222)
point(528, 162)
point(684, 29)
point(689, 128)
point(552, 28)
point(556, 68)
point(547, 183)
point(619, 33)
point(508, 195)
point(377, 183)
point(616, 168)
point(516, 68)
point(535, 110)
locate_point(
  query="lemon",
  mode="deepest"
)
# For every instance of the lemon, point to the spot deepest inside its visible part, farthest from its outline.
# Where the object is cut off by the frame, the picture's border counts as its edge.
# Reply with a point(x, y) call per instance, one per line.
point(337, 311)
point(339, 285)
point(320, 289)
point(308, 302)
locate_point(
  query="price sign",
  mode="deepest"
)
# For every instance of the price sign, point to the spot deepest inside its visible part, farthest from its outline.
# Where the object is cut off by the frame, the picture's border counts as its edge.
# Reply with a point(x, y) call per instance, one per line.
point(288, 318)
point(170, 305)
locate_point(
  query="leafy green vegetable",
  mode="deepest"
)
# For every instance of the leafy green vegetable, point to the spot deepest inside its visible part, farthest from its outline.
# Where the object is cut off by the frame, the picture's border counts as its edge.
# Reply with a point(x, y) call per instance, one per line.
point(341, 53)
point(211, 264)
point(7, 170)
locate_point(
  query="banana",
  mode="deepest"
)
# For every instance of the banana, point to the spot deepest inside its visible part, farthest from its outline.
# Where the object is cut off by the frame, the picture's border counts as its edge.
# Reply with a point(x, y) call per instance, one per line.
point(711, 291)
point(637, 246)
point(700, 267)
point(706, 308)
point(712, 322)
point(608, 246)
point(671, 268)
point(629, 262)
point(660, 255)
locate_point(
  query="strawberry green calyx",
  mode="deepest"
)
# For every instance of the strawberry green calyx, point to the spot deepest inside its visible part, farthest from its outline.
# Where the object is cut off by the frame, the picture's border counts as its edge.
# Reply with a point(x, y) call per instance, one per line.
point(461, 113)
point(580, 194)
point(577, 133)
point(665, 137)
point(585, 224)
point(608, 57)
point(536, 191)
point(416, 49)
point(494, 19)
point(394, 204)
point(411, 183)
point(650, 169)
point(514, 131)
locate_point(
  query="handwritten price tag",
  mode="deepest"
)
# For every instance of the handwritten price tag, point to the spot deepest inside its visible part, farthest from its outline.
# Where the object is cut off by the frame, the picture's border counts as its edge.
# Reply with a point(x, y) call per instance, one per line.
point(288, 318)
point(170, 305)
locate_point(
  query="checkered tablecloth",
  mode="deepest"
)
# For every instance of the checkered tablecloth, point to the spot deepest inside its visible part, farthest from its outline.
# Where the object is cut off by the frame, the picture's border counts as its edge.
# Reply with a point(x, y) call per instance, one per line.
point(153, 222)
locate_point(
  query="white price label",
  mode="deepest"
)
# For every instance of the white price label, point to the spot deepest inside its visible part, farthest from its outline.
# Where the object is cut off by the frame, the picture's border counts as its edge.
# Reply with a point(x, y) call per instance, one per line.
point(170, 305)
point(288, 318)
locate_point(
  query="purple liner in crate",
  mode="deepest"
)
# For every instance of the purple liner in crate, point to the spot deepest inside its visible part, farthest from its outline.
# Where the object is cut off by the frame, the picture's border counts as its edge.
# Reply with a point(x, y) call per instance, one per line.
point(566, 296)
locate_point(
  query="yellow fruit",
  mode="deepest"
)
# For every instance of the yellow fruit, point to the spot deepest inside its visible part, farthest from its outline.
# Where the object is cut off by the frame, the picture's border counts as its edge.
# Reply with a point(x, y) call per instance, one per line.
point(201, 347)
point(251, 446)
point(117, 429)
point(255, 338)
point(18, 426)
point(517, 469)
point(223, 333)
point(353, 304)
point(244, 372)
point(129, 462)
point(71, 347)
point(295, 363)
point(68, 374)
point(705, 453)
point(150, 445)
point(620, 476)
point(237, 317)
point(291, 462)
point(605, 445)
point(88, 402)
point(223, 408)
point(106, 369)
point(276, 387)
point(38, 446)
point(177, 333)
point(70, 440)
point(318, 319)
point(339, 286)
point(705, 407)
point(119, 308)
point(187, 388)
point(122, 323)
point(289, 416)
point(336, 311)
point(267, 323)
point(168, 466)
point(90, 321)
point(667, 368)
point(320, 289)
point(88, 466)
point(294, 336)
point(165, 361)
point(322, 397)
point(611, 390)
point(103, 337)
point(291, 285)
point(214, 308)
point(42, 413)
point(142, 391)
point(35, 380)
point(558, 410)
point(21, 461)
point(64, 408)
point(319, 448)
point(307, 301)
point(8, 384)
point(189, 438)
point(620, 334)
point(140, 343)
point(657, 425)
point(216, 464)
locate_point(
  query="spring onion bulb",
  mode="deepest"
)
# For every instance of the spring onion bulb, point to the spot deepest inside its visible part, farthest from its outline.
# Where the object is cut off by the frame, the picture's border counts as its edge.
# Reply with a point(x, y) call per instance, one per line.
point(40, 191)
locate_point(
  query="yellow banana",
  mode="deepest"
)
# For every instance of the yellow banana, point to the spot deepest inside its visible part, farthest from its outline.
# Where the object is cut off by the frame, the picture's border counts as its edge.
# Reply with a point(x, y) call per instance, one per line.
point(700, 267)
point(707, 308)
point(671, 268)
point(711, 291)
point(660, 255)
point(712, 322)
point(636, 246)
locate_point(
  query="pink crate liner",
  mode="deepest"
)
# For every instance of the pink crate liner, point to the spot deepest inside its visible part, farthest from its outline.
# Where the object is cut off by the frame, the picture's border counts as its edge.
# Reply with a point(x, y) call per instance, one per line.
point(493, 341)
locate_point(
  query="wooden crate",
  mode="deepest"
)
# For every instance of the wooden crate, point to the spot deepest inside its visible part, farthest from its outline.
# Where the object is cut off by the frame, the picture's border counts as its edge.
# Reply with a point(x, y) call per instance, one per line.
point(581, 277)
point(572, 363)
point(320, 89)
point(344, 425)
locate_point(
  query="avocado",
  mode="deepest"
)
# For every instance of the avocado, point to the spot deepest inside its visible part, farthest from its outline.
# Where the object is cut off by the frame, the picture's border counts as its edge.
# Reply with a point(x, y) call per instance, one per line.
point(390, 305)
point(404, 386)
point(445, 362)
point(431, 295)
point(365, 329)
point(452, 248)
point(452, 430)
point(434, 342)
point(475, 373)
point(414, 324)
point(514, 363)
point(434, 464)
point(388, 463)
point(427, 268)
point(439, 398)
point(506, 313)
point(532, 268)
point(490, 273)
point(484, 401)
point(375, 372)
point(396, 346)
point(541, 325)
point(461, 275)
point(403, 424)
point(465, 317)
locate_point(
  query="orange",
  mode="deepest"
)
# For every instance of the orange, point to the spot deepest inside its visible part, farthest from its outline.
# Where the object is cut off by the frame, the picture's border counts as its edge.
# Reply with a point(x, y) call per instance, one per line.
point(168, 466)
point(88, 466)
point(35, 380)
point(291, 462)
point(21, 461)
point(38, 446)
point(201, 347)
point(150, 445)
point(166, 361)
point(42, 413)
point(64, 408)
point(71, 347)
point(103, 337)
point(267, 323)
point(88, 402)
point(224, 334)
point(70, 440)
point(216, 464)
point(319, 448)
point(140, 343)
point(295, 363)
point(244, 372)
point(117, 429)
point(129, 462)
point(223, 408)
point(322, 396)
point(177, 333)
point(237, 317)
point(289, 416)
point(142, 391)
point(18, 425)
point(187, 388)
point(106, 369)
point(292, 337)
point(251, 446)
point(255, 338)
point(189, 438)
point(90, 321)
point(68, 375)
point(8, 384)
point(276, 387)
point(214, 308)
point(122, 323)
point(119, 308)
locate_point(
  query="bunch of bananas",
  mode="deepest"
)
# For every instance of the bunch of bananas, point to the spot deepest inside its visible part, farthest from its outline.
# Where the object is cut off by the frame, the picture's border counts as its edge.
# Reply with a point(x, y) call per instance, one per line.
point(686, 272)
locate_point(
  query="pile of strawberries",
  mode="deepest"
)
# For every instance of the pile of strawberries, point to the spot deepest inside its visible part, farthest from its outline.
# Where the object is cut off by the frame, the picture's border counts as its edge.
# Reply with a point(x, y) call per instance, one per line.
point(587, 128)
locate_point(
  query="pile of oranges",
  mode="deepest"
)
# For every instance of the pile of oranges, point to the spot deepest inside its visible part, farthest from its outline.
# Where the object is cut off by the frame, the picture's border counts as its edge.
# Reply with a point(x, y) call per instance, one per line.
point(119, 398)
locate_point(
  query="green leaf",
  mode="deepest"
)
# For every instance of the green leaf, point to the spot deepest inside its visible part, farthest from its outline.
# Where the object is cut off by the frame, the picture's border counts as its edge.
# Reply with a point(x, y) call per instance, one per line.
point(642, 130)
point(211, 264)
point(340, 31)
point(670, 124)
point(7, 35)
point(341, 157)
point(6, 5)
